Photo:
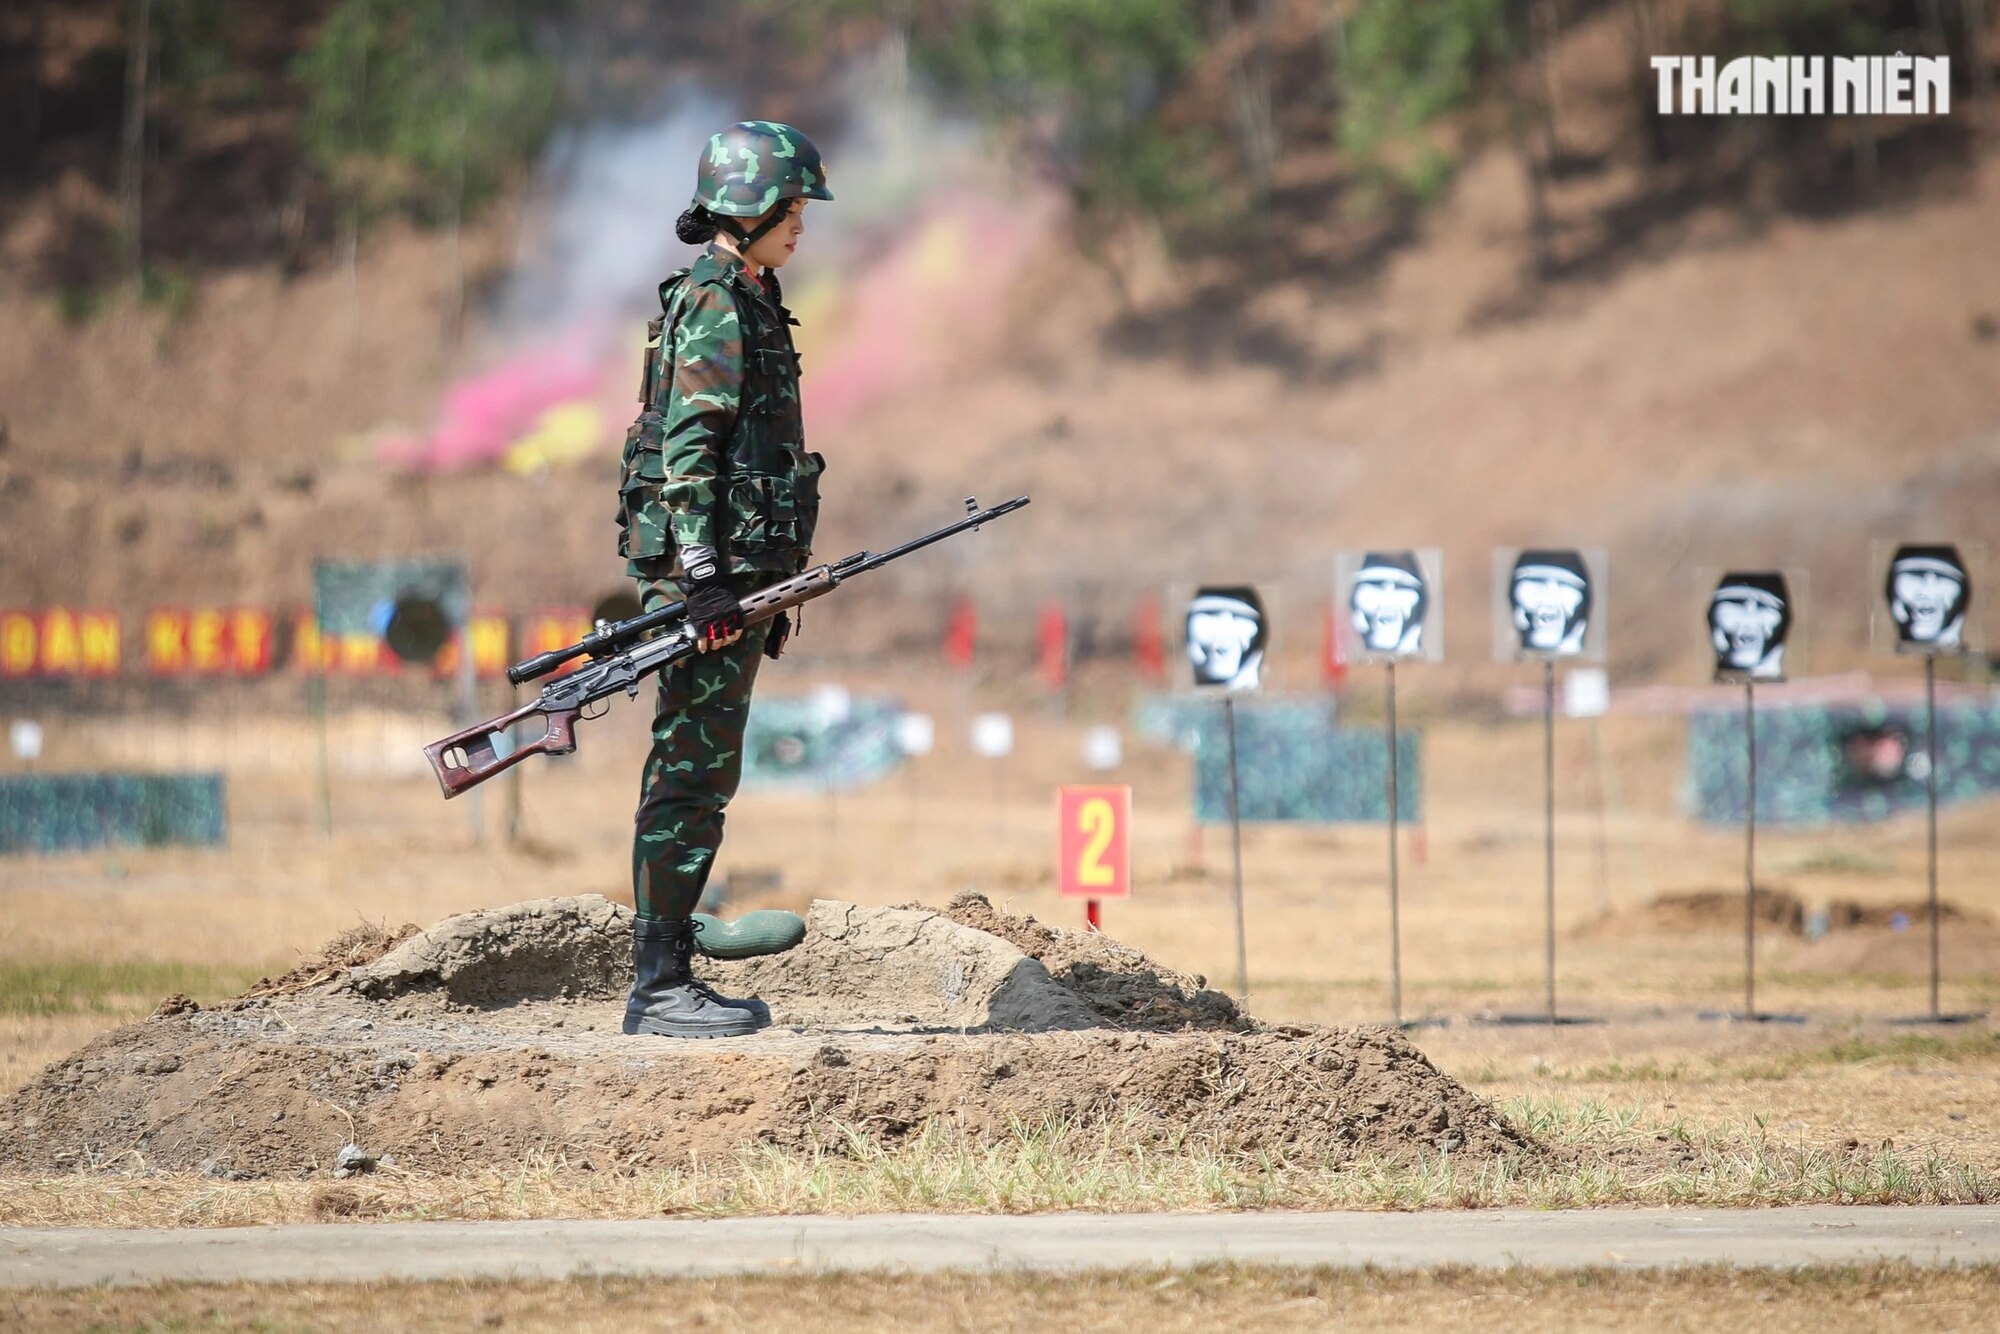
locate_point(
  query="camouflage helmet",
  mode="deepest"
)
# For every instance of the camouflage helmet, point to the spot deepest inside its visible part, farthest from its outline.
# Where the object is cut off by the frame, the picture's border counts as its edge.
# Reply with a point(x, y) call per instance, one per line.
point(755, 163)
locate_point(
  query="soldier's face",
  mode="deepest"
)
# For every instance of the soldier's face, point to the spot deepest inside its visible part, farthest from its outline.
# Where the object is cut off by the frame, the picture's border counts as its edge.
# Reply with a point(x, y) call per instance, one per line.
point(1382, 613)
point(1924, 603)
point(1743, 631)
point(1218, 641)
point(1543, 610)
point(774, 248)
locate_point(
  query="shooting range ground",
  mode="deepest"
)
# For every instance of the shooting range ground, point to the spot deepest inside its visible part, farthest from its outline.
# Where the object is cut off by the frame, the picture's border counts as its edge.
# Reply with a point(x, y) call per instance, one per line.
point(1650, 924)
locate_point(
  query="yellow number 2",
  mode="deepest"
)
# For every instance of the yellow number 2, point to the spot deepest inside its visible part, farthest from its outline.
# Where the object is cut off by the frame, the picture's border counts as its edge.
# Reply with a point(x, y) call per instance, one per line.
point(1099, 821)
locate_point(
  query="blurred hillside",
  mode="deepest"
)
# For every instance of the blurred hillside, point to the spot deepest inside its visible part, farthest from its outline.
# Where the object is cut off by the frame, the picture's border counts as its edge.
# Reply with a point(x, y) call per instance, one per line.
point(1336, 275)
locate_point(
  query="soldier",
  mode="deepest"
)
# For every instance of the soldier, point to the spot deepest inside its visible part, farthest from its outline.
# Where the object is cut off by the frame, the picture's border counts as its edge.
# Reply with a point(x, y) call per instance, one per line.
point(719, 497)
point(1550, 593)
point(1928, 591)
point(1749, 619)
point(1390, 601)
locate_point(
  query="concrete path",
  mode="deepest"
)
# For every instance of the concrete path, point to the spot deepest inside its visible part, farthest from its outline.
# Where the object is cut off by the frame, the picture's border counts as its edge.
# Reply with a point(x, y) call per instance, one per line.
point(1618, 1238)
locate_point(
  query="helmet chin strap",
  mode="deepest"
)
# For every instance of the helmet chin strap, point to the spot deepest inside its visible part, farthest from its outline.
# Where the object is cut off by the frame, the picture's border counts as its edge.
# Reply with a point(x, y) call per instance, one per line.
point(744, 240)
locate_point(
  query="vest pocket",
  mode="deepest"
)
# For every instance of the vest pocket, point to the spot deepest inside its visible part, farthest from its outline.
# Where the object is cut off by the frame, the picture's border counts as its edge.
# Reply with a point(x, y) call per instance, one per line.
point(642, 513)
point(764, 514)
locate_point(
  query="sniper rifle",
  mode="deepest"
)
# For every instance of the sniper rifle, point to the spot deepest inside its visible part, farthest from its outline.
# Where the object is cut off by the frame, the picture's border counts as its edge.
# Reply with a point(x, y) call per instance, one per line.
point(622, 656)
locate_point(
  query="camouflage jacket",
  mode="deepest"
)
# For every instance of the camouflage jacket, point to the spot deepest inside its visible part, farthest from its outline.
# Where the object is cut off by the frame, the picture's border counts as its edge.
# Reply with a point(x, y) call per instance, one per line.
point(717, 456)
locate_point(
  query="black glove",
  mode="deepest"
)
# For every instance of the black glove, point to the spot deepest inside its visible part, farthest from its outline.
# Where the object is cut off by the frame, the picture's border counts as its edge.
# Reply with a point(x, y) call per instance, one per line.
point(781, 631)
point(714, 613)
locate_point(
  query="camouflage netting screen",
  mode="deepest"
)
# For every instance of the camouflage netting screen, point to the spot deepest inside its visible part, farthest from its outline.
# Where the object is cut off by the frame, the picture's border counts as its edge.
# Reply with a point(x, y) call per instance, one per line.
point(818, 742)
point(1818, 764)
point(78, 812)
point(1293, 761)
point(354, 598)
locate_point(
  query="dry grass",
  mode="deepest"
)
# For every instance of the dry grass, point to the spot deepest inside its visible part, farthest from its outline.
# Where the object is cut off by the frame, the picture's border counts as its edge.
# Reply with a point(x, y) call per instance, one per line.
point(1809, 1301)
point(1317, 911)
point(1602, 1155)
point(1841, 1109)
point(89, 986)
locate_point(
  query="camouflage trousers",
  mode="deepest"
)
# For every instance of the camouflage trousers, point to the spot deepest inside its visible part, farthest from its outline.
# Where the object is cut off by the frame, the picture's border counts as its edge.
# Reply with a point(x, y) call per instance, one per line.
point(695, 765)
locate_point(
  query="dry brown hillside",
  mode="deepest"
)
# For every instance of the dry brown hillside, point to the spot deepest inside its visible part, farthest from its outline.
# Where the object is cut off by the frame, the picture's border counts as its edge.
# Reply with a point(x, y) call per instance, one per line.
point(1702, 377)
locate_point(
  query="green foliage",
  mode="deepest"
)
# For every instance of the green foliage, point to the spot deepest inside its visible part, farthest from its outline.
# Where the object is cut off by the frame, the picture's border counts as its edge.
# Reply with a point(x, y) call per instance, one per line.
point(80, 303)
point(1408, 65)
point(419, 104)
point(170, 289)
point(1799, 28)
point(1084, 83)
point(193, 36)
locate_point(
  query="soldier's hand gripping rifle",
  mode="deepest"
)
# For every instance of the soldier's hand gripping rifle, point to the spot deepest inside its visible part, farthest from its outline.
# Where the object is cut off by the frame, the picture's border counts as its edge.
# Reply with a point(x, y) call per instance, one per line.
point(622, 657)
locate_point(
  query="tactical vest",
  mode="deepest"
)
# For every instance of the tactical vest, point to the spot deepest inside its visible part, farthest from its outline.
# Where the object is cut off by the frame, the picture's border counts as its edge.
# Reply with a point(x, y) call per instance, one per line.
point(767, 482)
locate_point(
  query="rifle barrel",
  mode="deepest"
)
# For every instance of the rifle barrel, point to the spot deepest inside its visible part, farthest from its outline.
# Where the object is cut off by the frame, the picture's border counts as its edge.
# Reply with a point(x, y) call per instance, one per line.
point(877, 560)
point(614, 638)
point(618, 637)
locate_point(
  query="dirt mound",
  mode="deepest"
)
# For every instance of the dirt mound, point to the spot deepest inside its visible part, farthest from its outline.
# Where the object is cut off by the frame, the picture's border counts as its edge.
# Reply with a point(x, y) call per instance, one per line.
point(1703, 910)
point(1874, 927)
point(494, 1035)
point(352, 948)
point(1846, 913)
point(906, 967)
point(903, 966)
point(536, 950)
point(277, 1089)
point(1966, 949)
point(1119, 984)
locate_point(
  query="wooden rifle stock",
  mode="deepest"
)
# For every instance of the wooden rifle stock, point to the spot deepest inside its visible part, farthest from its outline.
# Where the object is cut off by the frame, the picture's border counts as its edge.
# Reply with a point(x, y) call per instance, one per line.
point(466, 759)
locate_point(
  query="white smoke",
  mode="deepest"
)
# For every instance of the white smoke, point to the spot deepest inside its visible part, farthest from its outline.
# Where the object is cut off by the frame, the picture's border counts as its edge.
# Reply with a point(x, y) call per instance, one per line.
point(602, 225)
point(600, 236)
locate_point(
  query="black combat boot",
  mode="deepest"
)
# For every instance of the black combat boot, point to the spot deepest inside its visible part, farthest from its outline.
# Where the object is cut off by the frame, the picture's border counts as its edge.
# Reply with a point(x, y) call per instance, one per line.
point(666, 999)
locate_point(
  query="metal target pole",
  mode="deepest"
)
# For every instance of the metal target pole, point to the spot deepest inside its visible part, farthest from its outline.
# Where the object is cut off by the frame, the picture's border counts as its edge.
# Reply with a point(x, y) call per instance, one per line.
point(1395, 909)
point(1549, 823)
point(1750, 851)
point(1236, 852)
point(1931, 801)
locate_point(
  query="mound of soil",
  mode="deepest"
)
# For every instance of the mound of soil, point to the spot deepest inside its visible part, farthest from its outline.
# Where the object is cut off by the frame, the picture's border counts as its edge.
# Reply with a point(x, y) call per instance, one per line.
point(1119, 984)
point(1699, 910)
point(359, 944)
point(1967, 948)
point(1846, 913)
point(495, 1035)
point(910, 967)
point(537, 950)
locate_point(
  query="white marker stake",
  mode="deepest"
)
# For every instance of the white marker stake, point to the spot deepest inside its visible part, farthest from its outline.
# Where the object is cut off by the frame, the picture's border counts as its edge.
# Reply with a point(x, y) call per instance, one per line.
point(916, 735)
point(993, 739)
point(1103, 748)
point(25, 737)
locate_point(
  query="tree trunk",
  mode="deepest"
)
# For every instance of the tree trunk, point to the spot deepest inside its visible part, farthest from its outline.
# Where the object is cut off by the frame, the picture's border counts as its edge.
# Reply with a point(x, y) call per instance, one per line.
point(1545, 26)
point(1975, 56)
point(1250, 97)
point(132, 143)
point(454, 305)
point(349, 189)
point(21, 74)
point(1534, 174)
point(1646, 43)
point(1333, 40)
point(1534, 141)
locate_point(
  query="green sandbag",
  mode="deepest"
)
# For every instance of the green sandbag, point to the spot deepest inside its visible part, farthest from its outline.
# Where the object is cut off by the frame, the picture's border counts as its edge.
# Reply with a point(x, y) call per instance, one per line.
point(766, 931)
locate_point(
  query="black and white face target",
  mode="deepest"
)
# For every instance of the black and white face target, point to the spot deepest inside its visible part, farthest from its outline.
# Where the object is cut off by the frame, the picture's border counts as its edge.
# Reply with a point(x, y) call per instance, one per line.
point(1226, 637)
point(1552, 604)
point(1393, 603)
point(1928, 592)
point(1749, 621)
